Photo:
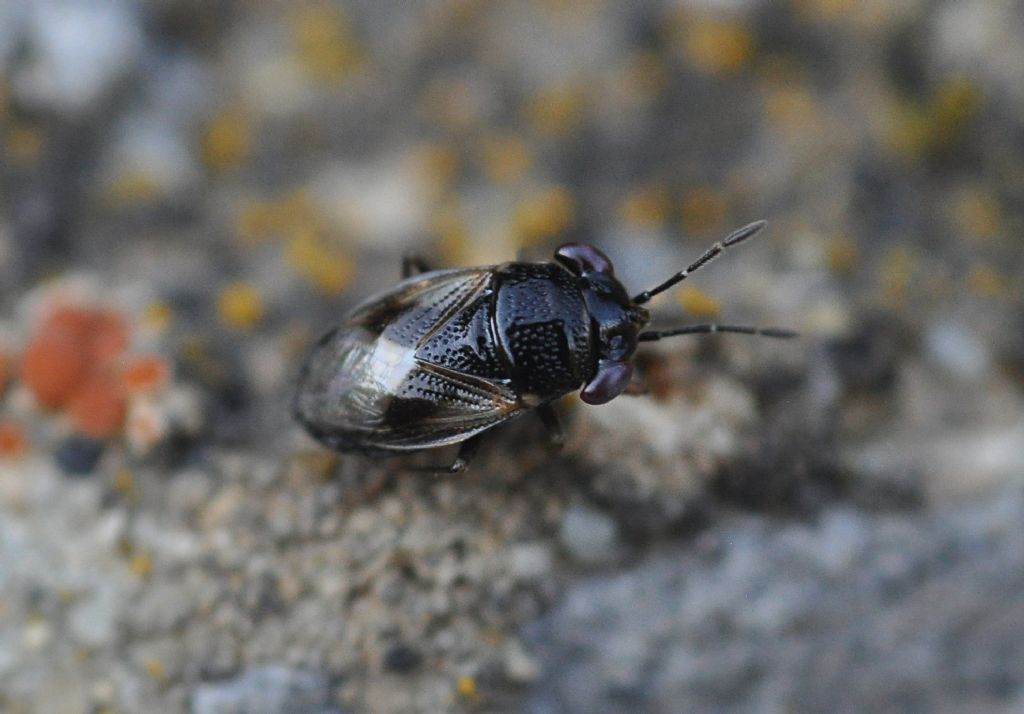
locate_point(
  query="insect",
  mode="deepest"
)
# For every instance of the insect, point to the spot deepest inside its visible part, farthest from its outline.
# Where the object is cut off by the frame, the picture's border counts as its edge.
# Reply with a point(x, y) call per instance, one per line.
point(446, 355)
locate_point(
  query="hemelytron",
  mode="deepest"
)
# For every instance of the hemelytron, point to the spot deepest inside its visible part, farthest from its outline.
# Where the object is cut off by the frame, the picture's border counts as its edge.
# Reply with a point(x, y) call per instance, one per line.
point(447, 354)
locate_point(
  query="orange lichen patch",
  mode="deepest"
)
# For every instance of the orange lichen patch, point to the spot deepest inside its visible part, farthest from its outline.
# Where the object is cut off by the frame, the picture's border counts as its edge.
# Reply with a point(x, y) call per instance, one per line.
point(505, 158)
point(984, 281)
point(145, 375)
point(320, 261)
point(556, 111)
point(697, 302)
point(13, 441)
point(544, 216)
point(324, 43)
point(227, 140)
point(646, 207)
point(842, 255)
point(5, 370)
point(52, 366)
point(108, 338)
point(69, 345)
point(98, 408)
point(717, 46)
point(703, 209)
point(240, 305)
point(68, 321)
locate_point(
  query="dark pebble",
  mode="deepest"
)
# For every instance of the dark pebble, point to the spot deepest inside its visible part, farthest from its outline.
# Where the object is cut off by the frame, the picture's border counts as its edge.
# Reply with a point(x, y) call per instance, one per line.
point(78, 455)
point(402, 659)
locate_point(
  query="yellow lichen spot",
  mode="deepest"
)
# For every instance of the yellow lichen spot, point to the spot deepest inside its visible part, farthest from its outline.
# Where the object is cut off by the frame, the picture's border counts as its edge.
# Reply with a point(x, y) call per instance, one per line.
point(555, 111)
point(984, 281)
point(979, 215)
point(227, 140)
point(698, 303)
point(917, 129)
point(194, 349)
point(703, 209)
point(157, 317)
point(791, 108)
point(263, 220)
point(324, 44)
point(256, 222)
point(544, 216)
point(824, 10)
point(908, 130)
point(842, 255)
point(451, 234)
point(124, 483)
point(461, 14)
point(454, 105)
point(646, 207)
point(466, 687)
point(240, 306)
point(956, 102)
point(438, 166)
point(320, 261)
point(646, 74)
point(141, 564)
point(132, 188)
point(896, 274)
point(155, 669)
point(505, 158)
point(717, 46)
point(320, 463)
point(563, 10)
point(24, 144)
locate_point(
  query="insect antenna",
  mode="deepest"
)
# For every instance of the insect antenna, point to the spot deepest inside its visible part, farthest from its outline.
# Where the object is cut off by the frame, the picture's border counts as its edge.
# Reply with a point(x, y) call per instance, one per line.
point(734, 238)
point(655, 335)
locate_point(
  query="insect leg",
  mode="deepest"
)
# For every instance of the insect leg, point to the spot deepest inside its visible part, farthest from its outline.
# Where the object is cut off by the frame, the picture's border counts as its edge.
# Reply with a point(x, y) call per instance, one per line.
point(655, 335)
point(549, 417)
point(413, 264)
point(467, 450)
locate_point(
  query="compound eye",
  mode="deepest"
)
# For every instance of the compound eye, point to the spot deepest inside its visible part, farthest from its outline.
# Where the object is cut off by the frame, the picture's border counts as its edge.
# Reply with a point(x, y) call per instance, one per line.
point(581, 258)
point(611, 380)
point(620, 346)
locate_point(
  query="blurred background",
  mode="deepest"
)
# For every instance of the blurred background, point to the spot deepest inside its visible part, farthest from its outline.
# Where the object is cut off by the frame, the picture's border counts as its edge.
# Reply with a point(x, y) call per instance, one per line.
point(192, 192)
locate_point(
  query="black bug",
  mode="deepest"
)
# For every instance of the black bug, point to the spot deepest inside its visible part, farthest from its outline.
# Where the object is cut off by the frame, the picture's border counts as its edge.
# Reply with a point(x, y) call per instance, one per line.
point(447, 354)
